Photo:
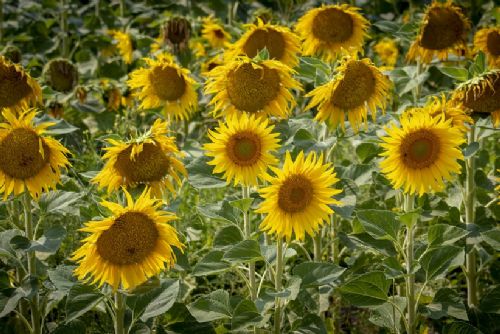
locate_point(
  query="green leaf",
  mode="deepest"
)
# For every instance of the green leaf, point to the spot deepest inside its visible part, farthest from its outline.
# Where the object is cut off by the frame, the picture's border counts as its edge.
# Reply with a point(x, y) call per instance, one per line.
point(81, 299)
point(317, 273)
point(227, 236)
point(446, 303)
point(457, 73)
point(243, 204)
point(212, 307)
point(369, 289)
point(62, 277)
point(490, 303)
point(470, 149)
point(200, 175)
point(438, 261)
point(245, 315)
point(380, 224)
point(73, 327)
point(460, 327)
point(245, 251)
point(387, 315)
point(443, 234)
point(59, 202)
point(367, 151)
point(158, 301)
point(9, 298)
point(50, 241)
point(262, 55)
point(309, 324)
point(211, 264)
point(492, 237)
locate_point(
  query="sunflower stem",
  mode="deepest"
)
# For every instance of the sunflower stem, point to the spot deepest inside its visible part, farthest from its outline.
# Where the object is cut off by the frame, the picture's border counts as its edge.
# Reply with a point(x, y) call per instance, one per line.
point(64, 29)
point(122, 8)
point(470, 204)
point(28, 228)
point(248, 235)
point(409, 202)
point(317, 246)
point(278, 284)
point(120, 313)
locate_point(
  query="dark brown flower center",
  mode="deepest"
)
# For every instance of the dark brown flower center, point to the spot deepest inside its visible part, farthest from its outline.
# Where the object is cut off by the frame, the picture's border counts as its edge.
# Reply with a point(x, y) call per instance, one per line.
point(295, 194)
point(13, 86)
point(244, 148)
point(219, 34)
point(265, 38)
point(167, 83)
point(493, 43)
point(332, 25)
point(356, 87)
point(443, 29)
point(420, 149)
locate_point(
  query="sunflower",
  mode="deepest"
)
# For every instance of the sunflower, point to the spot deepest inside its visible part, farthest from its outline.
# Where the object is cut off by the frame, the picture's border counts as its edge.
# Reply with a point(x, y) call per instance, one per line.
point(61, 75)
point(241, 85)
point(151, 159)
point(12, 53)
point(212, 63)
point(443, 30)
point(28, 160)
point(358, 87)
point(488, 41)
point(387, 51)
point(18, 90)
point(298, 197)
point(164, 83)
point(176, 33)
point(281, 43)
point(242, 148)
point(481, 95)
point(332, 30)
point(133, 244)
point(124, 44)
point(214, 33)
point(420, 153)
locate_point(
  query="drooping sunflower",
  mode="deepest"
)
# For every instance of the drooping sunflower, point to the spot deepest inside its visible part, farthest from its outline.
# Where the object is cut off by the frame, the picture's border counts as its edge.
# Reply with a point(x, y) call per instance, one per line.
point(151, 159)
point(214, 33)
point(298, 197)
point(61, 75)
point(242, 85)
point(133, 244)
point(29, 160)
point(481, 95)
point(387, 50)
point(443, 30)
point(281, 43)
point(332, 30)
point(420, 153)
point(164, 83)
point(242, 148)
point(359, 86)
point(488, 41)
point(124, 44)
point(18, 90)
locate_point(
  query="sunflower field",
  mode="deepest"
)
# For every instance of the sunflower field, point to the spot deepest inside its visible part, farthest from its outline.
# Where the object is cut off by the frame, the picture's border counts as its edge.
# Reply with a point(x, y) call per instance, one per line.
point(251, 166)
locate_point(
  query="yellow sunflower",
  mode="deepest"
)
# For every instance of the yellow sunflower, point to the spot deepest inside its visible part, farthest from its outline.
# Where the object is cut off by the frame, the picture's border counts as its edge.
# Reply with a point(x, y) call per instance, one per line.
point(164, 83)
point(488, 41)
point(28, 159)
point(18, 90)
point(359, 86)
point(133, 244)
point(332, 30)
point(387, 51)
point(282, 44)
point(212, 63)
point(124, 44)
point(242, 85)
point(298, 197)
point(420, 153)
point(242, 148)
point(481, 95)
point(151, 159)
point(214, 33)
point(443, 30)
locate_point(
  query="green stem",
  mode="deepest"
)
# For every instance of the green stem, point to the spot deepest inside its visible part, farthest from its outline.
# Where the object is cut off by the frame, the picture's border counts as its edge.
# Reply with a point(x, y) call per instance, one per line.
point(28, 228)
point(64, 29)
point(337, 300)
point(470, 203)
point(248, 234)
point(120, 313)
point(278, 284)
point(122, 8)
point(317, 246)
point(410, 276)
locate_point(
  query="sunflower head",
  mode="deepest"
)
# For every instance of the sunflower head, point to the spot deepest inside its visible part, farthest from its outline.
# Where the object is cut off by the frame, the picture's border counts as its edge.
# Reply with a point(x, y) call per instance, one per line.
point(243, 85)
point(214, 33)
point(123, 42)
point(151, 159)
point(131, 245)
point(29, 160)
point(332, 30)
point(165, 84)
point(281, 43)
point(242, 148)
point(387, 51)
point(61, 75)
point(443, 30)
point(421, 153)
point(297, 199)
point(176, 33)
point(12, 53)
point(359, 86)
point(18, 89)
point(212, 63)
point(488, 41)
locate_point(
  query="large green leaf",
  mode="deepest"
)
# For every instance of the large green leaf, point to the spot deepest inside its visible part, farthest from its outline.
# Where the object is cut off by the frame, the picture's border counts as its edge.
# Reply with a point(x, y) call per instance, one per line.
point(317, 273)
point(200, 175)
point(227, 236)
point(244, 251)
point(460, 327)
point(81, 299)
point(160, 300)
point(446, 303)
point(490, 303)
point(380, 224)
point(369, 289)
point(388, 314)
point(211, 307)
point(245, 315)
point(443, 234)
point(438, 261)
point(211, 264)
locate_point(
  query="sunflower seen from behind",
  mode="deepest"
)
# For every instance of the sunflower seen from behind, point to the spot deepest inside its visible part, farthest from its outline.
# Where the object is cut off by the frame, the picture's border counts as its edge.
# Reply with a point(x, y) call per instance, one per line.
point(29, 159)
point(165, 84)
point(242, 148)
point(487, 40)
point(443, 30)
point(421, 153)
point(215, 33)
point(123, 43)
point(18, 90)
point(151, 159)
point(257, 87)
point(332, 30)
point(280, 42)
point(131, 245)
point(61, 75)
point(358, 87)
point(298, 198)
